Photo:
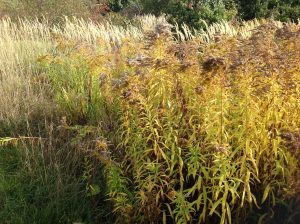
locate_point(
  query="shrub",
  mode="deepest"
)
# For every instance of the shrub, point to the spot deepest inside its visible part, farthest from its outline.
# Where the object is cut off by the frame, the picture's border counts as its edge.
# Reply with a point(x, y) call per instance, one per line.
point(35, 190)
point(117, 5)
point(278, 9)
point(191, 12)
point(196, 13)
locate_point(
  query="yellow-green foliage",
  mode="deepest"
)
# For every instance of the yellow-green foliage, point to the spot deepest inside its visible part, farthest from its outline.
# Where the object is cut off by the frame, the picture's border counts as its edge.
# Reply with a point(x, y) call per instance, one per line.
point(24, 95)
point(200, 132)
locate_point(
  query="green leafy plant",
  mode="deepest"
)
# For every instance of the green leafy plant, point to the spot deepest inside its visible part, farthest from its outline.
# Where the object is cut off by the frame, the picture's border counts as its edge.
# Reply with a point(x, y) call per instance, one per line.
point(192, 13)
point(200, 139)
point(278, 9)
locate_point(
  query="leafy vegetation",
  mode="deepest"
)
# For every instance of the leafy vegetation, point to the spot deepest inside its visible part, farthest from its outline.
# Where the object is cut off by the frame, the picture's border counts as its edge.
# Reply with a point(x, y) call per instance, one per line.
point(192, 13)
point(30, 196)
point(195, 12)
point(149, 123)
point(280, 10)
point(186, 137)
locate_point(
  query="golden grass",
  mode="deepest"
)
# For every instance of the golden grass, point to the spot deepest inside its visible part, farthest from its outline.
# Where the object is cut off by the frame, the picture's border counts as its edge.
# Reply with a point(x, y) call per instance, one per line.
point(22, 87)
point(20, 46)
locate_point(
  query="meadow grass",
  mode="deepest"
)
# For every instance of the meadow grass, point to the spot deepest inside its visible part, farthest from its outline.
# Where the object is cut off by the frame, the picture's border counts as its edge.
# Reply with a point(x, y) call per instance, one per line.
point(44, 180)
point(23, 88)
point(33, 191)
point(149, 123)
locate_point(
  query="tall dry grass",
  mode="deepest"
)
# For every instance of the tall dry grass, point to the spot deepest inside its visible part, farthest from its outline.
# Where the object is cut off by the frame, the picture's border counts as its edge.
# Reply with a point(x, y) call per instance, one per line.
point(23, 90)
point(20, 45)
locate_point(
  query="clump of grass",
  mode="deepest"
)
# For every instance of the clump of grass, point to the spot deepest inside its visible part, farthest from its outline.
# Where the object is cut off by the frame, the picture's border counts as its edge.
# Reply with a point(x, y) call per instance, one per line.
point(34, 191)
point(20, 46)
